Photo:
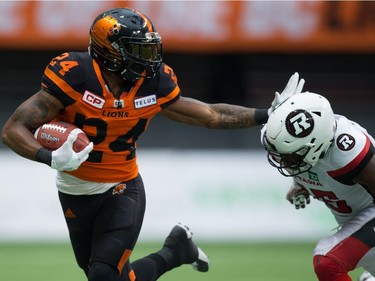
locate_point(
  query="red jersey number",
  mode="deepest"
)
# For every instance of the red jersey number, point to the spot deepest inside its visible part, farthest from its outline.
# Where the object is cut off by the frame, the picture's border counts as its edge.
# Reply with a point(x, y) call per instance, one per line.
point(331, 201)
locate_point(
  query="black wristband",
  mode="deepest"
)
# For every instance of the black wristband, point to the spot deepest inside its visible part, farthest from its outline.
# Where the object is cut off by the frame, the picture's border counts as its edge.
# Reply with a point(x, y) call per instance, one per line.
point(44, 156)
point(261, 116)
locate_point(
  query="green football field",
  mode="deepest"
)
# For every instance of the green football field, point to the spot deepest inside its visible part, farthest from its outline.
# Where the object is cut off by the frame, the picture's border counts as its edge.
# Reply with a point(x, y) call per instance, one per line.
point(234, 262)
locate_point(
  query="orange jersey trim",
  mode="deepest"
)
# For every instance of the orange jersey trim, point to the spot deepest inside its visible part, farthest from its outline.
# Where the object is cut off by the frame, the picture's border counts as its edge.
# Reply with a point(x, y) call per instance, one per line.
point(99, 75)
point(62, 84)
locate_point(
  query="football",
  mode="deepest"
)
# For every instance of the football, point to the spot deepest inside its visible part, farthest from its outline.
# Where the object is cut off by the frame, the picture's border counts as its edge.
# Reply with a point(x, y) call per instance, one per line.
point(52, 135)
point(366, 276)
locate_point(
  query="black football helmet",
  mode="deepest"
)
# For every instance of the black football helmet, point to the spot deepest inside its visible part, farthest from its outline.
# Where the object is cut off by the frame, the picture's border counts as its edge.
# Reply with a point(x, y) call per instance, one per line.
point(124, 41)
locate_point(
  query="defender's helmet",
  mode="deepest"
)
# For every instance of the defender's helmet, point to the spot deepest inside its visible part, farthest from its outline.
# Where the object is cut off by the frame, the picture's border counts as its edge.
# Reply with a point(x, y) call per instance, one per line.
point(298, 133)
point(124, 41)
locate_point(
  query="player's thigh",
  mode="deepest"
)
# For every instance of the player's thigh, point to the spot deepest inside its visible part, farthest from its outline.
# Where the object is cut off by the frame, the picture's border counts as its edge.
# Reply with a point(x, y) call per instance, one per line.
point(118, 224)
point(80, 212)
point(354, 225)
point(354, 244)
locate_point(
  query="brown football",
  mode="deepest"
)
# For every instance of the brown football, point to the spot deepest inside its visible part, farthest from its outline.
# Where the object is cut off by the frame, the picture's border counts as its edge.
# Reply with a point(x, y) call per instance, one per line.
point(52, 135)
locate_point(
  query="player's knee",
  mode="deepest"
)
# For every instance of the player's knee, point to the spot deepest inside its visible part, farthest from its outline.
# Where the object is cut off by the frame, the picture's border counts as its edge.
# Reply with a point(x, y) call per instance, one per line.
point(327, 269)
point(100, 271)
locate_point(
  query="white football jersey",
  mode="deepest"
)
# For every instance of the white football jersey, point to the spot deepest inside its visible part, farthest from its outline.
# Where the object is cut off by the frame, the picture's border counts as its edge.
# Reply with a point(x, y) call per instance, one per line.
point(330, 180)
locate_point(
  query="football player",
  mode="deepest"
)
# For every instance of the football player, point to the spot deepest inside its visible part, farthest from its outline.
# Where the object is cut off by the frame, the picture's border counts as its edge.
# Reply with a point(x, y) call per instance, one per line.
point(112, 92)
point(331, 159)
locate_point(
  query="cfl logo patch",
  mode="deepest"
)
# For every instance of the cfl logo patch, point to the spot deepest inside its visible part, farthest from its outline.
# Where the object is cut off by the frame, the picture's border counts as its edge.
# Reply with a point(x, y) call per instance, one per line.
point(299, 123)
point(118, 103)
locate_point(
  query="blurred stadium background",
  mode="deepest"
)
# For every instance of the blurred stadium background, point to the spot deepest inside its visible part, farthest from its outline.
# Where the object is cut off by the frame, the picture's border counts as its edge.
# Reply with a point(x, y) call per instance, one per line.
point(218, 182)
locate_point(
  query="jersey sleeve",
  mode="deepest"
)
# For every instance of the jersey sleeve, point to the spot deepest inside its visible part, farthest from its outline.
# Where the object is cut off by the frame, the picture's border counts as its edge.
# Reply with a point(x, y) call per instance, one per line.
point(169, 90)
point(63, 78)
point(353, 149)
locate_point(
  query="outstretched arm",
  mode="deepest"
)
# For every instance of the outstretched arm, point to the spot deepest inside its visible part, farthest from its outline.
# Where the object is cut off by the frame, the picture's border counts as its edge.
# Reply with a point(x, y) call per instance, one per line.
point(216, 116)
point(226, 116)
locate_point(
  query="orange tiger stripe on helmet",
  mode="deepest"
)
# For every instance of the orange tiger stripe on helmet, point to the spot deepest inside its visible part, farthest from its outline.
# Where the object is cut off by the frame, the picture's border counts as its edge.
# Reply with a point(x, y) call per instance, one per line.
point(104, 28)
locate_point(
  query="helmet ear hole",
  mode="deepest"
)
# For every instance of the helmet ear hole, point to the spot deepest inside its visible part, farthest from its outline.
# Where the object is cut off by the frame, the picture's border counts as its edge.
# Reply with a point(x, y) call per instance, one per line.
point(105, 51)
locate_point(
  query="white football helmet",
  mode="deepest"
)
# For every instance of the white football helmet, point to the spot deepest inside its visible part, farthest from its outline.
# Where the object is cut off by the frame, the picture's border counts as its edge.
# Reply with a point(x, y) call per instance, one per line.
point(298, 133)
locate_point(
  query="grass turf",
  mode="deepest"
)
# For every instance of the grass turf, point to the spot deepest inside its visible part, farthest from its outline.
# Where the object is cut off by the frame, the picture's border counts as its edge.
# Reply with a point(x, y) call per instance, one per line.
point(231, 261)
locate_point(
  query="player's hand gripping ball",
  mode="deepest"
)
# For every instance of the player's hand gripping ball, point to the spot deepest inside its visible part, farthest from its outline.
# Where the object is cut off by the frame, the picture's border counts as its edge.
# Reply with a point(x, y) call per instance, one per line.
point(52, 135)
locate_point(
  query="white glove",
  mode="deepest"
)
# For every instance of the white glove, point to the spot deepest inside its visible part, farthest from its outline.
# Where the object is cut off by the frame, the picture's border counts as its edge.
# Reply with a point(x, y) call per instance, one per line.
point(66, 159)
point(293, 87)
point(299, 197)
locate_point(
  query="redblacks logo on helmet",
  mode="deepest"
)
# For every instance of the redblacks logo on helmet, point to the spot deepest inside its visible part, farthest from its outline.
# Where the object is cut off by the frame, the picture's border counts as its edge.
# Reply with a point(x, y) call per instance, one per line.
point(299, 123)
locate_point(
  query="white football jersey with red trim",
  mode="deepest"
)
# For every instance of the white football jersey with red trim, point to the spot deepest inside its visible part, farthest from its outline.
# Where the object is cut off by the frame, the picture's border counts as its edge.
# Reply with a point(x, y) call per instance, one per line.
point(331, 179)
